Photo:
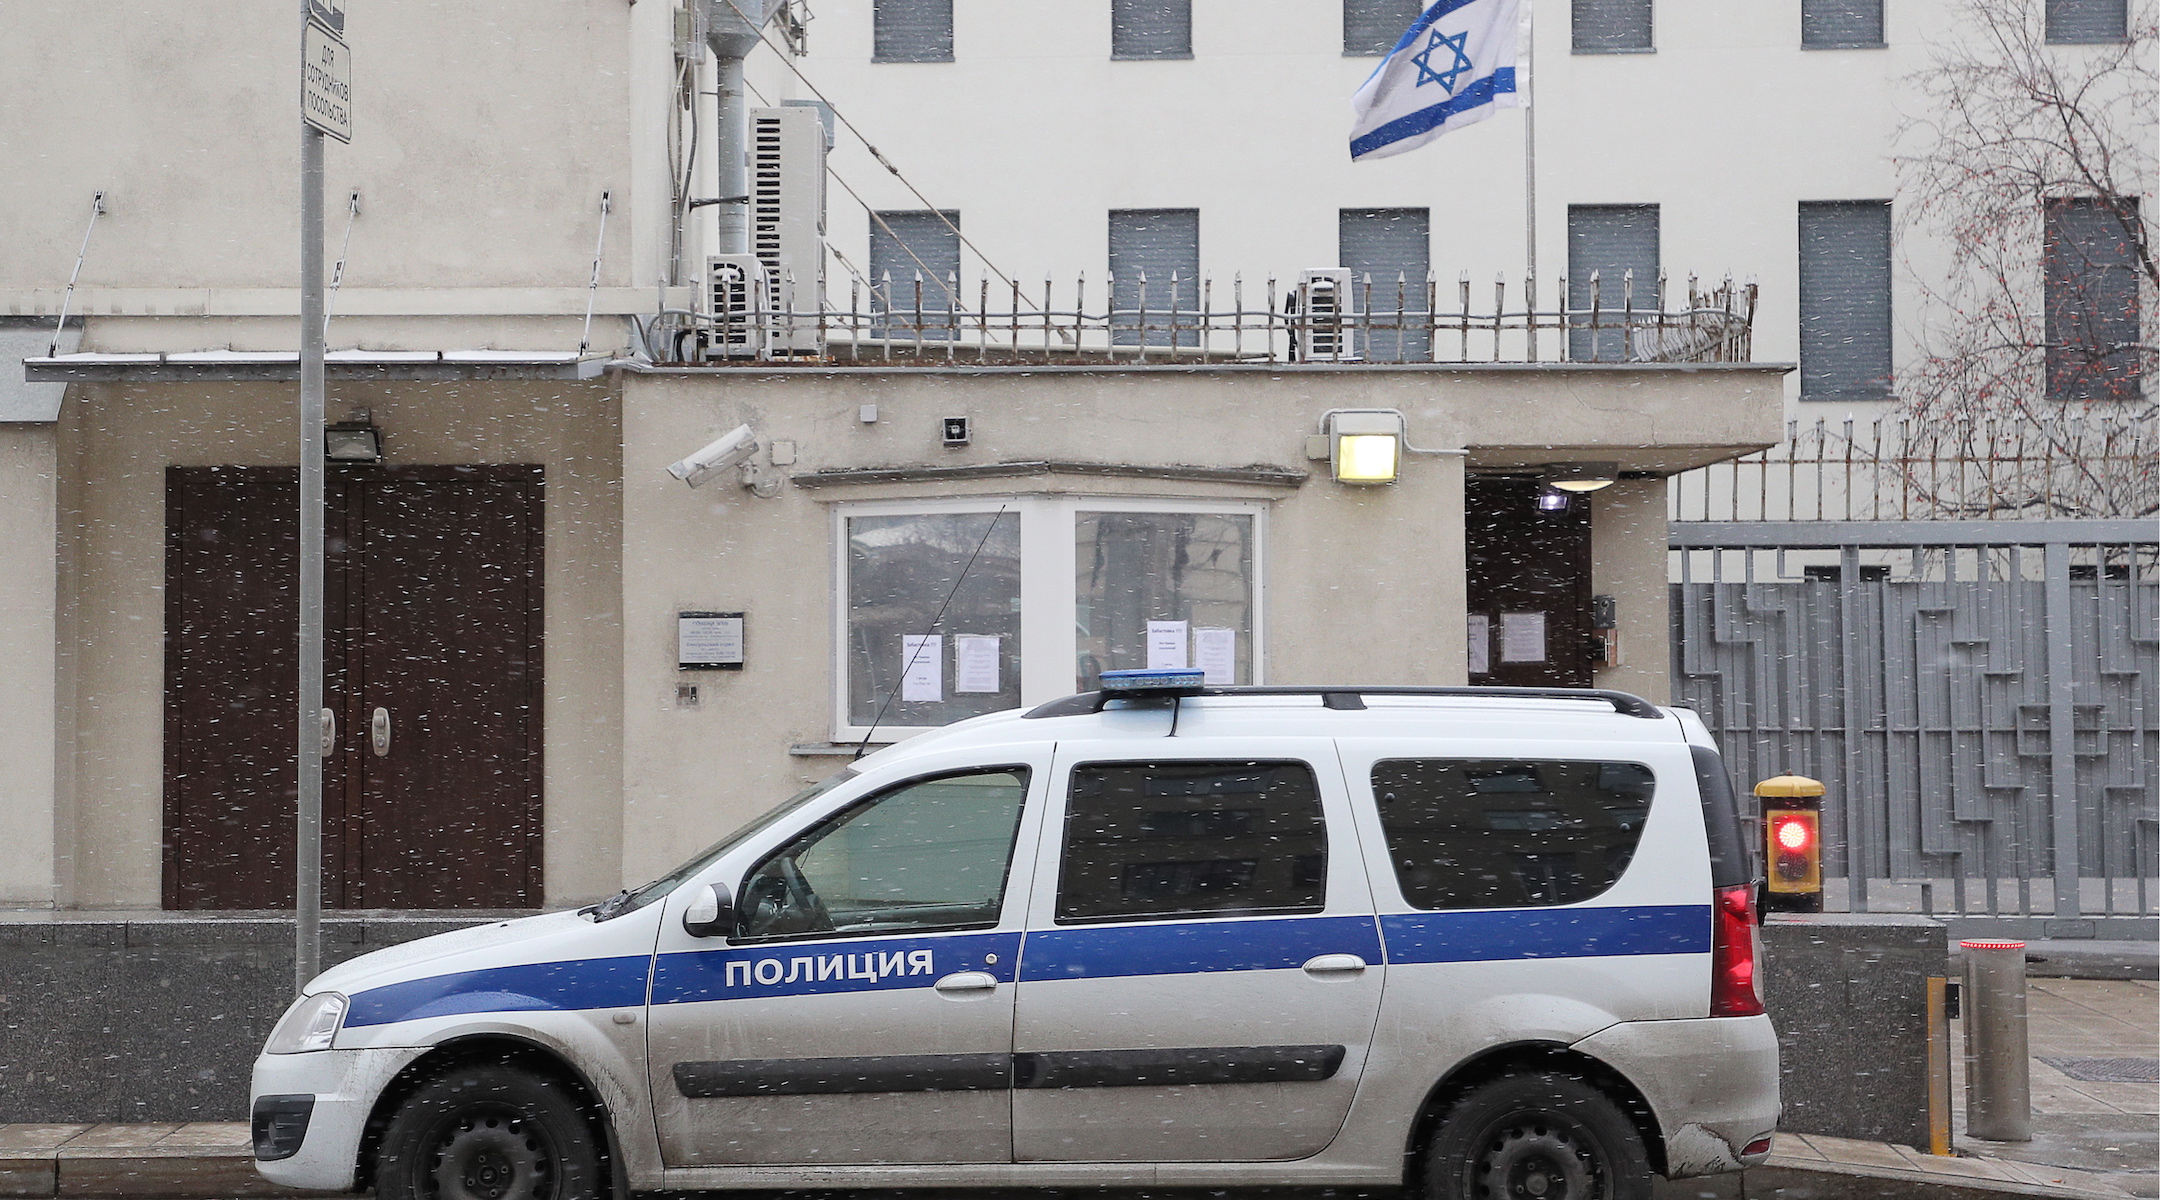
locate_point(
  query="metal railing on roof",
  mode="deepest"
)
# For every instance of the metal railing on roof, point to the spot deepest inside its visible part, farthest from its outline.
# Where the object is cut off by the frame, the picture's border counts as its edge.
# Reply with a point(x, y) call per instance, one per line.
point(1320, 317)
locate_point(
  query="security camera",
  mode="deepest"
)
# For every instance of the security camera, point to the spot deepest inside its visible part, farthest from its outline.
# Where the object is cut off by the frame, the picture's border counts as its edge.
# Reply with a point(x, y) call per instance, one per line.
point(734, 446)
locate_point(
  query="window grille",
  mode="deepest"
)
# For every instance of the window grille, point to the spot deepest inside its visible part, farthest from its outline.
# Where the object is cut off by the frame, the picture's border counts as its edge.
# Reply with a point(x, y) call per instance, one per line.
point(1610, 26)
point(2088, 20)
point(2092, 300)
point(1391, 247)
point(1606, 242)
point(1845, 300)
point(905, 247)
point(911, 31)
point(1374, 26)
point(1151, 28)
point(1155, 271)
point(1834, 24)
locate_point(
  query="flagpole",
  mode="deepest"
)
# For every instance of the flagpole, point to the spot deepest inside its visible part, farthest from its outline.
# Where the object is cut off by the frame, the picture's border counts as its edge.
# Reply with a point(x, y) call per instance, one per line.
point(1530, 149)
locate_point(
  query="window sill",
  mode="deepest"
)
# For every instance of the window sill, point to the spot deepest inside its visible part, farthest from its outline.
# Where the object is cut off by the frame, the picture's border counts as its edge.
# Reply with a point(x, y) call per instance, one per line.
point(1844, 45)
point(1613, 50)
point(832, 749)
point(1185, 57)
point(2110, 40)
point(948, 58)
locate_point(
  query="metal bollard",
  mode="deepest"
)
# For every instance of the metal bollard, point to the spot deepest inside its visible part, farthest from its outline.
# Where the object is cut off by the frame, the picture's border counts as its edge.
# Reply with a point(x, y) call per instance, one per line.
point(1998, 1072)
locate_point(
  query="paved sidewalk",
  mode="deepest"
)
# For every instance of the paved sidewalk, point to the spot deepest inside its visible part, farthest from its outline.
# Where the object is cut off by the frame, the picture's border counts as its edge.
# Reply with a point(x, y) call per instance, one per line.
point(2109, 1129)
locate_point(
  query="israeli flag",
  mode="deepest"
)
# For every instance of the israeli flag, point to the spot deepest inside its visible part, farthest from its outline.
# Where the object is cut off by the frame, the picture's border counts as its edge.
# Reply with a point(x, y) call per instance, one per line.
point(1454, 67)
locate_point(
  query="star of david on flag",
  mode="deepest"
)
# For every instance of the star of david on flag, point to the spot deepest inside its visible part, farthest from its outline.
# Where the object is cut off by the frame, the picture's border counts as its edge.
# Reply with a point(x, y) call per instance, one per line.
point(1453, 67)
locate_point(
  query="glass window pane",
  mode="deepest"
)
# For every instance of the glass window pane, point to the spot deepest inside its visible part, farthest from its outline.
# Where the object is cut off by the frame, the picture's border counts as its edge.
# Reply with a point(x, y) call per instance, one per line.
point(1173, 839)
point(928, 855)
point(908, 666)
point(1467, 833)
point(911, 31)
point(1137, 567)
point(1151, 28)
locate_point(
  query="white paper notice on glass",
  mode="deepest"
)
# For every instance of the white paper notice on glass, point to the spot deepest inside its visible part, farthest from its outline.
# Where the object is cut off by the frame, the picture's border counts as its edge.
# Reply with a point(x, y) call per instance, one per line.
point(975, 664)
point(1215, 652)
point(1522, 637)
point(1166, 645)
point(1480, 644)
point(922, 667)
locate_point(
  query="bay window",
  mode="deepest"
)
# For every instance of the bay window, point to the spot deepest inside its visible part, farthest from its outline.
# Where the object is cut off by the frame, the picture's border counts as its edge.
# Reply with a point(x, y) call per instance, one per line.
point(948, 609)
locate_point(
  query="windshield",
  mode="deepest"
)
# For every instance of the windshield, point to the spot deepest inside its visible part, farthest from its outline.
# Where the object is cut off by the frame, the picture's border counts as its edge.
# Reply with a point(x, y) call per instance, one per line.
point(631, 901)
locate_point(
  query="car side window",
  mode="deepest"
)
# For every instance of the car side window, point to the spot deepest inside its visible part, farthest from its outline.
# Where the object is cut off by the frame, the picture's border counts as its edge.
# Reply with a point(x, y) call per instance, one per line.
point(1493, 833)
point(1176, 839)
point(929, 854)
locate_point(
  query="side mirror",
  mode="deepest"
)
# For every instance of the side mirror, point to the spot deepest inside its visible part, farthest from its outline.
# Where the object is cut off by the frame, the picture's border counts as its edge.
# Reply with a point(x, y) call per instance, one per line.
point(710, 915)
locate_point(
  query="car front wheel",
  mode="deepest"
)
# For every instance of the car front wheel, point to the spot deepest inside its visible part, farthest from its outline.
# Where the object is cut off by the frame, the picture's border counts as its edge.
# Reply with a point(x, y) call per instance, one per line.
point(486, 1132)
point(1536, 1135)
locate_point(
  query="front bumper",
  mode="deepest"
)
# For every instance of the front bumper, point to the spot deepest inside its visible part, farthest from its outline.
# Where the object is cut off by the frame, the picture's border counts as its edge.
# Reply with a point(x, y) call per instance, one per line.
point(339, 1088)
point(1712, 1085)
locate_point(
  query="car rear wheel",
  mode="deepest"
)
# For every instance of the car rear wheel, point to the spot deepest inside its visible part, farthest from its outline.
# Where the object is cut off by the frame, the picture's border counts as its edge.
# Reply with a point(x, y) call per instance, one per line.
point(1536, 1135)
point(489, 1133)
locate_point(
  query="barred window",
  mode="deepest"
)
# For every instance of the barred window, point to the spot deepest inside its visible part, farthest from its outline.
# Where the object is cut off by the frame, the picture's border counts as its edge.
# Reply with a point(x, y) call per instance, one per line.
point(1840, 24)
point(1151, 28)
point(1845, 300)
point(1612, 26)
point(911, 31)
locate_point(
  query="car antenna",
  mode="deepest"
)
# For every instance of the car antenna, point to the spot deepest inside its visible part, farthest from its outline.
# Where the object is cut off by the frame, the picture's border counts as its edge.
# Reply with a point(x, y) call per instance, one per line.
point(950, 592)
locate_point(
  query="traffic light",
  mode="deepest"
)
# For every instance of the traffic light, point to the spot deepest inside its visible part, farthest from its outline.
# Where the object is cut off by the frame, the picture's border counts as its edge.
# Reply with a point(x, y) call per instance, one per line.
point(1792, 843)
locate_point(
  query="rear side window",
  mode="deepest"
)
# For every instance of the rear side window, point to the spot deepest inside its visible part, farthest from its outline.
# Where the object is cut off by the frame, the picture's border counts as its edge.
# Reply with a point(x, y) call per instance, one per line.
point(1176, 839)
point(1506, 833)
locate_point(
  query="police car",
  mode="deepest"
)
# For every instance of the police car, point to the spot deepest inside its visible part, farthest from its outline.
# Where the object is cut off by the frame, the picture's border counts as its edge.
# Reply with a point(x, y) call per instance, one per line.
point(1486, 942)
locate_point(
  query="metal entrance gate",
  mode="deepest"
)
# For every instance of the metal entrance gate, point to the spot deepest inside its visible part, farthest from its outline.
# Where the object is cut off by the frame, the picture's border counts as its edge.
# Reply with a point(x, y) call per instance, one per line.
point(1982, 699)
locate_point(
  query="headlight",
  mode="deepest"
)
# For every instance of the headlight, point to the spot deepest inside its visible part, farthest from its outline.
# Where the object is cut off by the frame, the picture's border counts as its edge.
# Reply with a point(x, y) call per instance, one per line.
point(309, 1024)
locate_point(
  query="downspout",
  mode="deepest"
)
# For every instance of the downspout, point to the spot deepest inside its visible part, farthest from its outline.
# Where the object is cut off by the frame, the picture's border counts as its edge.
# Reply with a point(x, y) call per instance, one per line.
point(732, 36)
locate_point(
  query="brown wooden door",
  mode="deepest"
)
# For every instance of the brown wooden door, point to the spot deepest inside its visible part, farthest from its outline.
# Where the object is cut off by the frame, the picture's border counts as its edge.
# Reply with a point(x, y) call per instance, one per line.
point(1529, 575)
point(433, 609)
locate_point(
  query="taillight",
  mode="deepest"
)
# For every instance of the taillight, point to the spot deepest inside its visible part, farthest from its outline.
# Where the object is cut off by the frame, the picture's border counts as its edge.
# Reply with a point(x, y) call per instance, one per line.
point(1733, 991)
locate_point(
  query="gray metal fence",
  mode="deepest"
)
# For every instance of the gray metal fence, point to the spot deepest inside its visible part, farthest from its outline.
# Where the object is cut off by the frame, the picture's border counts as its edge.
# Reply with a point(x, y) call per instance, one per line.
point(1982, 699)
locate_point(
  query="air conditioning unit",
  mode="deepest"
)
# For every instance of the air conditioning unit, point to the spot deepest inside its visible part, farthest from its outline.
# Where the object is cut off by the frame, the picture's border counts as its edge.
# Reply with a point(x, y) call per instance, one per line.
point(1322, 329)
point(738, 305)
point(787, 224)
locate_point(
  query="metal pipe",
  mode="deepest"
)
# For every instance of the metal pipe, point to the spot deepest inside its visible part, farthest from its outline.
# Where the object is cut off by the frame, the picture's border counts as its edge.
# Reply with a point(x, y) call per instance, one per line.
point(1998, 1071)
point(731, 175)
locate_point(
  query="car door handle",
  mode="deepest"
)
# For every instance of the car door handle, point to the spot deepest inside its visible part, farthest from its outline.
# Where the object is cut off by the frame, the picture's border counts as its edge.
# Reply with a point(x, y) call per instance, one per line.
point(963, 982)
point(1334, 964)
point(379, 732)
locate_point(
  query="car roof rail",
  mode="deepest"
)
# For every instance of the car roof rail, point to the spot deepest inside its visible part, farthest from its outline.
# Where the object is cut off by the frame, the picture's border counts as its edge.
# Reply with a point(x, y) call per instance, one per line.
point(1353, 698)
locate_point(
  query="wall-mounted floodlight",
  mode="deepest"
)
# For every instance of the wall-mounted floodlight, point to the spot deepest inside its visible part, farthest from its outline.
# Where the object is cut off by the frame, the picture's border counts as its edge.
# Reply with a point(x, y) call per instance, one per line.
point(353, 440)
point(1580, 476)
point(729, 449)
point(1365, 445)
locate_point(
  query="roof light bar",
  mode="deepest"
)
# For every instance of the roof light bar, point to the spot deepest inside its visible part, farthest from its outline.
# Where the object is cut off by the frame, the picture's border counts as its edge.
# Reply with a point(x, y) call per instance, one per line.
point(1175, 681)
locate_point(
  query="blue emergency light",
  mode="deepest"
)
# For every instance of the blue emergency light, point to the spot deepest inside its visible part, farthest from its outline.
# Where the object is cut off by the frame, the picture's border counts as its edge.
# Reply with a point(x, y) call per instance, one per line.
point(1180, 681)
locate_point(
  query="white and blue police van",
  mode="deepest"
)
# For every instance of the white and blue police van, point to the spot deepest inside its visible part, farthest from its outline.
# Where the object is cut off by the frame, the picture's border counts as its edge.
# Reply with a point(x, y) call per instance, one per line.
point(1480, 942)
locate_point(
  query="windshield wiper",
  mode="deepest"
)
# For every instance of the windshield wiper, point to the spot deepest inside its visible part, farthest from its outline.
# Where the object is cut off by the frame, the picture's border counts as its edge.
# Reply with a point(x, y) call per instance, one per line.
point(609, 907)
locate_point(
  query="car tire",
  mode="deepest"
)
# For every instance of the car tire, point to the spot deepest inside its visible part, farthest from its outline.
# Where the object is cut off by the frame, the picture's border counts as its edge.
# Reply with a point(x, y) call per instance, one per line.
point(1536, 1135)
point(490, 1132)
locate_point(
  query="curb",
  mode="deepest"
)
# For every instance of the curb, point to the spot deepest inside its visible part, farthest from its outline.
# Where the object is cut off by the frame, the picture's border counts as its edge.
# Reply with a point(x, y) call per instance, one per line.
point(1801, 1179)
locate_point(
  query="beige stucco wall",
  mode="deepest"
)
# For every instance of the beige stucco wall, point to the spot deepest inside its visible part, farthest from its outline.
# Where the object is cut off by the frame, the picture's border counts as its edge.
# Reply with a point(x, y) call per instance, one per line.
point(1361, 584)
point(1627, 562)
point(28, 645)
point(115, 443)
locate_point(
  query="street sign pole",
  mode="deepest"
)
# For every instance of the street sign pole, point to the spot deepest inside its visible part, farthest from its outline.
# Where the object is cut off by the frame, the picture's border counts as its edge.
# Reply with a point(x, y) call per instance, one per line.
point(325, 105)
point(307, 946)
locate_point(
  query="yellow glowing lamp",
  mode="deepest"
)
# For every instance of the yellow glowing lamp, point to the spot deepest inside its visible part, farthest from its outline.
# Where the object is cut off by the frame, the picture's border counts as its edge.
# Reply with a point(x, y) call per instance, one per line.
point(1365, 446)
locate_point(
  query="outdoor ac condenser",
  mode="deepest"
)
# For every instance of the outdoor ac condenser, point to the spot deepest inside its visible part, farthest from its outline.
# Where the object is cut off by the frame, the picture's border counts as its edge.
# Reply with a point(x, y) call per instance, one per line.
point(1321, 332)
point(738, 305)
point(787, 224)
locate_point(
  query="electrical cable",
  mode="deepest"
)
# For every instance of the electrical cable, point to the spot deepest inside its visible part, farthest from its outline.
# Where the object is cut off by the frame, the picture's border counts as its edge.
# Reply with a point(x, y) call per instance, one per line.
point(935, 621)
point(879, 155)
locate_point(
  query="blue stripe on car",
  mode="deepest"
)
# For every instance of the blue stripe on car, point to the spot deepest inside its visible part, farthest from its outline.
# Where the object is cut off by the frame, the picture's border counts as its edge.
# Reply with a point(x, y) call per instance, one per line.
point(1085, 952)
point(808, 968)
point(527, 987)
point(1194, 946)
point(1502, 934)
